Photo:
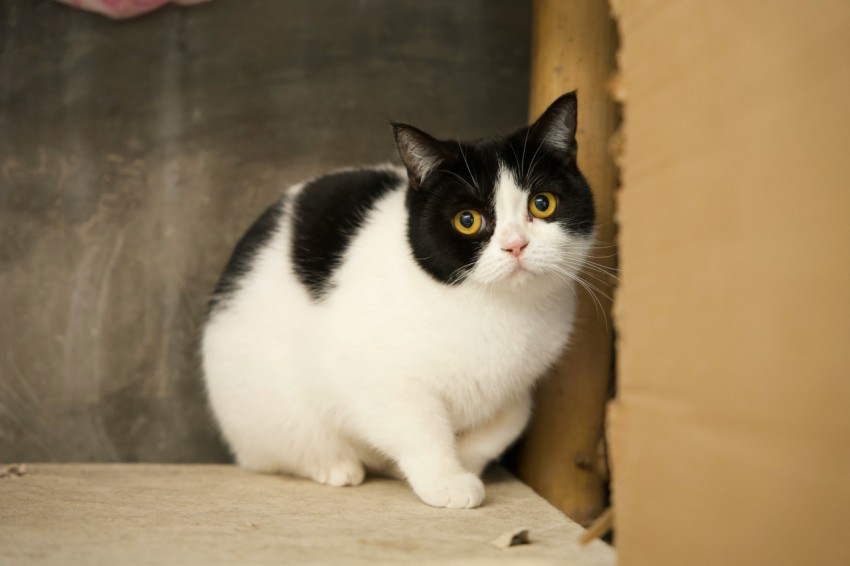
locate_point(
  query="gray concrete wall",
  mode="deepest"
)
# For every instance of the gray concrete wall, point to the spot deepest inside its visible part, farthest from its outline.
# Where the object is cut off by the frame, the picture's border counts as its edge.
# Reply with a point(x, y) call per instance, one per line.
point(133, 154)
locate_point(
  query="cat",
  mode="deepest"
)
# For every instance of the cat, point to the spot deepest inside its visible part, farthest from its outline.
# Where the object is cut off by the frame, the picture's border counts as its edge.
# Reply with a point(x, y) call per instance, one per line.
point(395, 319)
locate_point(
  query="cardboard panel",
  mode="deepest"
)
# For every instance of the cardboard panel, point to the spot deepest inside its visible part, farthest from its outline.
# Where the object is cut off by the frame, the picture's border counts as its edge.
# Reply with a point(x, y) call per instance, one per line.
point(731, 428)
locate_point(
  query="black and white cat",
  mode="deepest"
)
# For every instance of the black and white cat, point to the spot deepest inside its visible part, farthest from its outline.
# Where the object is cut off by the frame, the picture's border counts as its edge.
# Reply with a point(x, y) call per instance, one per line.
point(396, 319)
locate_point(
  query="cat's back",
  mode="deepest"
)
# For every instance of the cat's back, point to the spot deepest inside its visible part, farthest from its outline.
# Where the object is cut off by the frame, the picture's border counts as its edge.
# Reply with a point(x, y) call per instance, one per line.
point(328, 215)
point(263, 329)
point(296, 247)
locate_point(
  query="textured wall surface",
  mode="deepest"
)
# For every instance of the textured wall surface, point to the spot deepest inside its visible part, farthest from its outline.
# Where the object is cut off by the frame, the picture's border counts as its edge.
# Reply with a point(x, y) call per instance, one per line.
point(133, 154)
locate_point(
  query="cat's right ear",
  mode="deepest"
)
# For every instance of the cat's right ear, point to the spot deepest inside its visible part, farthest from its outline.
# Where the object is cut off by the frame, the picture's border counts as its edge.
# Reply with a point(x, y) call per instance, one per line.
point(420, 152)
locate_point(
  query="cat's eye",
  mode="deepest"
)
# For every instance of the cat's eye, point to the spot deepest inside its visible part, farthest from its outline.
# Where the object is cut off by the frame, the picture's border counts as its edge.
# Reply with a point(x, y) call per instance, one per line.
point(468, 222)
point(542, 205)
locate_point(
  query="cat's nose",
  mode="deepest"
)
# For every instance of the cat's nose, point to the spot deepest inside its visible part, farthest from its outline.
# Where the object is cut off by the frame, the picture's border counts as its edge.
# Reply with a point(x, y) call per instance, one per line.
point(516, 247)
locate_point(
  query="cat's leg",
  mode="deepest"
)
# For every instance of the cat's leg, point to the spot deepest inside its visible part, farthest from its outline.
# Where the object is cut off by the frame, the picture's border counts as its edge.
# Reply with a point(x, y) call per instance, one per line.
point(418, 436)
point(479, 446)
point(326, 457)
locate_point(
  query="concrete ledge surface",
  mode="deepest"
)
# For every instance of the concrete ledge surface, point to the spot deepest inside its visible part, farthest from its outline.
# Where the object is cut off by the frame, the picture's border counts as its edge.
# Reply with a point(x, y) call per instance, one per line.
point(212, 514)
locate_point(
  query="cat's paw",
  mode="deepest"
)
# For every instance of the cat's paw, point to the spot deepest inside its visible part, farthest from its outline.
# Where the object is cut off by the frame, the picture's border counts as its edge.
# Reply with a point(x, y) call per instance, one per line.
point(342, 474)
point(462, 491)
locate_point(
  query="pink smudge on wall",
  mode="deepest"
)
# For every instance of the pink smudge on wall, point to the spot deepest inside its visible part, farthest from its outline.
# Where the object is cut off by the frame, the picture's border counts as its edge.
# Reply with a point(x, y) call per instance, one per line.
point(120, 9)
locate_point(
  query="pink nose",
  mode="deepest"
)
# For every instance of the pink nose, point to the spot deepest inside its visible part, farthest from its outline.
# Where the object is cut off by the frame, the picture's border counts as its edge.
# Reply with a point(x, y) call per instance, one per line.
point(516, 248)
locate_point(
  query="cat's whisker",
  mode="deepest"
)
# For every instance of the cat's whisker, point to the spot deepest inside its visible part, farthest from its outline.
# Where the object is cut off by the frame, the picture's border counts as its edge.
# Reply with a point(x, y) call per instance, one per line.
point(601, 278)
point(572, 287)
point(590, 290)
point(595, 288)
point(462, 273)
point(568, 280)
point(601, 266)
point(597, 304)
point(533, 183)
point(464, 181)
point(598, 278)
point(599, 269)
point(533, 157)
point(576, 271)
point(474, 180)
point(595, 256)
point(569, 252)
point(516, 159)
point(595, 245)
point(587, 259)
point(525, 143)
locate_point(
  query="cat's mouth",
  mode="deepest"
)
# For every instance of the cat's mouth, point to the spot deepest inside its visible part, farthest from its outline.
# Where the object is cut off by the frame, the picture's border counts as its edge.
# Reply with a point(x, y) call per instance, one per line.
point(519, 271)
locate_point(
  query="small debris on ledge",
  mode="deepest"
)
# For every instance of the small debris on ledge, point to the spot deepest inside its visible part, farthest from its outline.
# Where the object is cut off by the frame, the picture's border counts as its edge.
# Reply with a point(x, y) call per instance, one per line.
point(13, 470)
point(600, 527)
point(511, 538)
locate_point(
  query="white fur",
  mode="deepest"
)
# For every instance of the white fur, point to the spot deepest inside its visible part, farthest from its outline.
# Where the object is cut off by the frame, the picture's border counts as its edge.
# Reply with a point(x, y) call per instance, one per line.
point(392, 370)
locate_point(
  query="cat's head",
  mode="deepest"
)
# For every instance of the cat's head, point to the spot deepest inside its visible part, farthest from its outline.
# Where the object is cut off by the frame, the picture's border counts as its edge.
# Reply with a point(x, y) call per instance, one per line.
point(504, 211)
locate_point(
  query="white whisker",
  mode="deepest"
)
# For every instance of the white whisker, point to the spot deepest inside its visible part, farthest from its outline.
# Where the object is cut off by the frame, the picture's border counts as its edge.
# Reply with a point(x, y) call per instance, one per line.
point(522, 167)
point(518, 166)
point(590, 290)
point(474, 180)
point(533, 157)
point(465, 182)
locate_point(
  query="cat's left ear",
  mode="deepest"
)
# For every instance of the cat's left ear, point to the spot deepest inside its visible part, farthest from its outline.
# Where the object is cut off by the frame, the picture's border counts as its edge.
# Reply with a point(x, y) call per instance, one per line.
point(556, 127)
point(420, 152)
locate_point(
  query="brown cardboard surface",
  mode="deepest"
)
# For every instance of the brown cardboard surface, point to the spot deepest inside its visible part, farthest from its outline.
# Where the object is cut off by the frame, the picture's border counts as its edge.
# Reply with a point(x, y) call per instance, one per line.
point(732, 425)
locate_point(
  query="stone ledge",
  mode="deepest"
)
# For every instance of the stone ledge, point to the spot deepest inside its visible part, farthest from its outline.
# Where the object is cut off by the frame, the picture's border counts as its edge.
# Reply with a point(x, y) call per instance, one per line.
point(208, 514)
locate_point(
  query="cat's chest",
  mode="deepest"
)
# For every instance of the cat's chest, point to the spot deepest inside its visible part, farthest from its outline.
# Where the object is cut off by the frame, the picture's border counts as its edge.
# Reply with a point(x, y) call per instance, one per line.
point(477, 355)
point(499, 350)
point(468, 347)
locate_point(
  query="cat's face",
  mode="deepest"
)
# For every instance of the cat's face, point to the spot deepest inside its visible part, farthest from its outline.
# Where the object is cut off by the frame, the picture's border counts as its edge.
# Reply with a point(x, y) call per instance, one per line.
point(507, 211)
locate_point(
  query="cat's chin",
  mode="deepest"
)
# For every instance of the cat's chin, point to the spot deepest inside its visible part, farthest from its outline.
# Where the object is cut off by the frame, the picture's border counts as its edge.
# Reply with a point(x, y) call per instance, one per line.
point(520, 278)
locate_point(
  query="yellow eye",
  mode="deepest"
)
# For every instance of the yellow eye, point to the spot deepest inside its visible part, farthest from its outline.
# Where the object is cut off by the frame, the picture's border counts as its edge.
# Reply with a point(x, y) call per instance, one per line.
point(542, 205)
point(468, 222)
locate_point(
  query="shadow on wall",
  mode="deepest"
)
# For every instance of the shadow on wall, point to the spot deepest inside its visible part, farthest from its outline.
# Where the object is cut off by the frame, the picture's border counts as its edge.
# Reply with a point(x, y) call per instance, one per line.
point(133, 154)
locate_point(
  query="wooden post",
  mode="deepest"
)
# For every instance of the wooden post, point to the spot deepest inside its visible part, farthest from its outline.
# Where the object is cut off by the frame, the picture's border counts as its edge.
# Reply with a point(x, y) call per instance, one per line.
point(574, 45)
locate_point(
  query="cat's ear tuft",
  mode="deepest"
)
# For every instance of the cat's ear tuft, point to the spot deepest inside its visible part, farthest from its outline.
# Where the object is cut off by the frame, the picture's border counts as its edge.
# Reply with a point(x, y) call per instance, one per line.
point(420, 152)
point(556, 127)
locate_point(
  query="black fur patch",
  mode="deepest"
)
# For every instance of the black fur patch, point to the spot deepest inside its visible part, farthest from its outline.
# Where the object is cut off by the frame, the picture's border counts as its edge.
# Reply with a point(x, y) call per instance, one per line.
point(246, 250)
point(327, 214)
point(538, 168)
point(439, 249)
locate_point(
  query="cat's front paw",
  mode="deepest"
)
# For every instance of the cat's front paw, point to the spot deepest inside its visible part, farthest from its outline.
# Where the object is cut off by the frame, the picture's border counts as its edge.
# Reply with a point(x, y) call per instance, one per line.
point(462, 491)
point(341, 474)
